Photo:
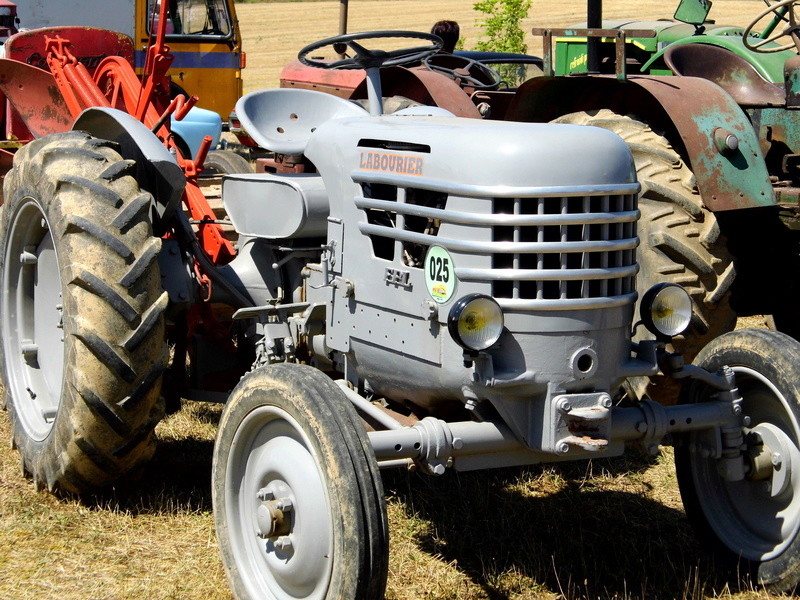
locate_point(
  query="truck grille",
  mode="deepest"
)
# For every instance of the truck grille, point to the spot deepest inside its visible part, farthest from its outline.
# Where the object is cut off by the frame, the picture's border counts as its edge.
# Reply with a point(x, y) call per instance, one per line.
point(550, 248)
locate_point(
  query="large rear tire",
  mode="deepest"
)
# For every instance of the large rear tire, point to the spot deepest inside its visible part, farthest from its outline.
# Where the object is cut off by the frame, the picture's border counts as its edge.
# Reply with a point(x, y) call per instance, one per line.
point(754, 524)
point(680, 238)
point(82, 313)
point(298, 499)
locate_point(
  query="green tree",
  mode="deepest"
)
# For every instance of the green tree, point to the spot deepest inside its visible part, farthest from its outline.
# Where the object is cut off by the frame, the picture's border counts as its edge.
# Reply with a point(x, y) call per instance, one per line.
point(502, 25)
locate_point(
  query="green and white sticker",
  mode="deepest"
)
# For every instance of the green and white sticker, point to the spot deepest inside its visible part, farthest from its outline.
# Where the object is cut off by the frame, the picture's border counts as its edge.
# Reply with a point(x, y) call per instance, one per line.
point(440, 277)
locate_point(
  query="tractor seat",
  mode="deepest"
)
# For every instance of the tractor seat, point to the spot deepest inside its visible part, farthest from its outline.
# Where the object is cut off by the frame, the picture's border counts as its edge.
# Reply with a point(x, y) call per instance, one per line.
point(282, 120)
point(729, 71)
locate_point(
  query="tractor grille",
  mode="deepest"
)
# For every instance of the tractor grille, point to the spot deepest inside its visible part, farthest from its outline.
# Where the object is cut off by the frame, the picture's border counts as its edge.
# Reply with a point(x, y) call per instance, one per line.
point(550, 249)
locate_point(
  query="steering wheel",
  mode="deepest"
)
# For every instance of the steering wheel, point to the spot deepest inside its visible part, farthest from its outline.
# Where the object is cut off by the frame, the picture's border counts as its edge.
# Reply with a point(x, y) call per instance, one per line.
point(792, 29)
point(365, 58)
point(478, 76)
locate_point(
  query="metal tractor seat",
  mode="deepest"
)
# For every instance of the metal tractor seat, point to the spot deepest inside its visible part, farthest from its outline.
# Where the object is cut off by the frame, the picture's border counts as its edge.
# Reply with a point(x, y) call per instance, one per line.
point(282, 120)
point(728, 70)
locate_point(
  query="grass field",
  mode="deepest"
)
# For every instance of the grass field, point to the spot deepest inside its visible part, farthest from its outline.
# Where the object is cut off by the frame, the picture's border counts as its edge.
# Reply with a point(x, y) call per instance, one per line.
point(274, 32)
point(605, 529)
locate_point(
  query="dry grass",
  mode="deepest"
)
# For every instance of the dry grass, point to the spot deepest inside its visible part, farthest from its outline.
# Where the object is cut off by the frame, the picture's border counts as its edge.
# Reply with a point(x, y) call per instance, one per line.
point(606, 529)
point(601, 530)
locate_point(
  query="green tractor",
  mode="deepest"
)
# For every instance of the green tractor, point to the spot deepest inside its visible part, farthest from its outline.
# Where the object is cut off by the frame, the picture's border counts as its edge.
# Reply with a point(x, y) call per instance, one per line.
point(709, 114)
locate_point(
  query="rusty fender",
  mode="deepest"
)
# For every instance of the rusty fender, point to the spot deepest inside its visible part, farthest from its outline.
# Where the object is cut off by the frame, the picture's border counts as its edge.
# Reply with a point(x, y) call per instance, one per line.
point(697, 116)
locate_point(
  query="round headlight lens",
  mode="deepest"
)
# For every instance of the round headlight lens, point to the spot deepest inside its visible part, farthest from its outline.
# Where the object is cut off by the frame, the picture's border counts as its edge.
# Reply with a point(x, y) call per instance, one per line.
point(475, 322)
point(666, 310)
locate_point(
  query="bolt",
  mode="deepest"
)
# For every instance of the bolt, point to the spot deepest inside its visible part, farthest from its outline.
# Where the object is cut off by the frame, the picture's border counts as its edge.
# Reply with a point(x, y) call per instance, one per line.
point(284, 504)
point(746, 421)
point(283, 543)
point(458, 443)
point(737, 409)
point(564, 406)
point(265, 494)
point(562, 447)
point(777, 460)
point(641, 427)
point(606, 402)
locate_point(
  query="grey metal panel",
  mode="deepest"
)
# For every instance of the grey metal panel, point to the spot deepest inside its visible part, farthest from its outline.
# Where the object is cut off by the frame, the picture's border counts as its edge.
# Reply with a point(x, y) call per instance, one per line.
point(545, 274)
point(157, 170)
point(497, 191)
point(271, 206)
point(567, 303)
point(501, 247)
point(499, 219)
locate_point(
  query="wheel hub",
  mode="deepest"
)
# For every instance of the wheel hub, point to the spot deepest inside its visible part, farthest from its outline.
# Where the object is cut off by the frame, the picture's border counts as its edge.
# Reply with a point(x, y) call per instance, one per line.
point(772, 460)
point(272, 514)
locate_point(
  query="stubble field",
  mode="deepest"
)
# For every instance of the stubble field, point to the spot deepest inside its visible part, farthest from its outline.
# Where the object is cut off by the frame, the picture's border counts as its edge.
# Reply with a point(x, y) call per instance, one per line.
point(606, 529)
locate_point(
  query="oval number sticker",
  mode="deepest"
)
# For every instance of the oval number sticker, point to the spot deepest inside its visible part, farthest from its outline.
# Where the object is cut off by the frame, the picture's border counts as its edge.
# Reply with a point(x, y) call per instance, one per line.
point(440, 275)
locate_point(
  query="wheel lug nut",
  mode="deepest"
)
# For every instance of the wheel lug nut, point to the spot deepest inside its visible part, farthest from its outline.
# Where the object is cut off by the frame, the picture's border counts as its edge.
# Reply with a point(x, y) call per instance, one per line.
point(265, 494)
point(283, 543)
point(777, 459)
point(284, 504)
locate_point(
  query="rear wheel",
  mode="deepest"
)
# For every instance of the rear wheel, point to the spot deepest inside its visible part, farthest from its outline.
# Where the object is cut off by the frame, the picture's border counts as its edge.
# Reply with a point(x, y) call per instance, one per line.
point(82, 313)
point(680, 239)
point(298, 500)
point(754, 525)
point(225, 162)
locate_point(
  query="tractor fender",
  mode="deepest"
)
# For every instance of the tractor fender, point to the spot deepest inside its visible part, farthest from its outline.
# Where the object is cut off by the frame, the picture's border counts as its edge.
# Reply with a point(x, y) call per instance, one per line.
point(768, 65)
point(694, 114)
point(157, 170)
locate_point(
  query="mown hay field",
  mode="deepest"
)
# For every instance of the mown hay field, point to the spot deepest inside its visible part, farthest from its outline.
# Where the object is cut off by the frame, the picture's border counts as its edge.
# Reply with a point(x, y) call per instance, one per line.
point(274, 32)
point(605, 529)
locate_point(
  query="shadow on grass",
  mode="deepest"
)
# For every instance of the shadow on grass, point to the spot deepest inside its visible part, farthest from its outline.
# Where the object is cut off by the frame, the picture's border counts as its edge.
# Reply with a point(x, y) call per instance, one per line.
point(177, 478)
point(580, 541)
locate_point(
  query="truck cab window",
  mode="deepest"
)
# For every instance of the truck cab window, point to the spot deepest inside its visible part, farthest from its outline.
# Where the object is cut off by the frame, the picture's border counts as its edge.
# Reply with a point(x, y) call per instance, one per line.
point(192, 17)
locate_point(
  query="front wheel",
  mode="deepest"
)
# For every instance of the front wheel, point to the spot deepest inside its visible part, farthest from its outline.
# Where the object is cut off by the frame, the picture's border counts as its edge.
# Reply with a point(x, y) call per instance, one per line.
point(298, 501)
point(754, 524)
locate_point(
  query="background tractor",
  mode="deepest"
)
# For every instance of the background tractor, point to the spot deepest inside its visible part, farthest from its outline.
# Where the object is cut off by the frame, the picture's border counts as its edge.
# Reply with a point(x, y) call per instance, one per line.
point(714, 146)
point(407, 300)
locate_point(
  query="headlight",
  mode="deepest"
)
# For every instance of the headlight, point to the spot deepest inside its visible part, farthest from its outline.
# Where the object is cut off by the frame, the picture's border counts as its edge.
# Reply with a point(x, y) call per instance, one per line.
point(475, 322)
point(666, 310)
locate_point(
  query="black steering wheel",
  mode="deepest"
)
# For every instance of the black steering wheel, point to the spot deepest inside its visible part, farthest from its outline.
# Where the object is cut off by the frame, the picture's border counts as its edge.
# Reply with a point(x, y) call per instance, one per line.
point(470, 73)
point(365, 58)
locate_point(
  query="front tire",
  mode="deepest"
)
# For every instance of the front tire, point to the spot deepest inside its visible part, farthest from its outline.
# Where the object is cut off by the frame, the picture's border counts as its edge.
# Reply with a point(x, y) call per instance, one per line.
point(754, 524)
point(289, 438)
point(82, 314)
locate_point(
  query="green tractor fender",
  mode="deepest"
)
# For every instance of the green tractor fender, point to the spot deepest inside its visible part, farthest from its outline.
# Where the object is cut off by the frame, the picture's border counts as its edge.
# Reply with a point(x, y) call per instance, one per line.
point(696, 116)
point(768, 65)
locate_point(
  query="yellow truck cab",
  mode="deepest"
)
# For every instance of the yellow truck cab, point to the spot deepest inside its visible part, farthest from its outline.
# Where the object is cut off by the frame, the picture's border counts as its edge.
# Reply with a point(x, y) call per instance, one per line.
point(203, 35)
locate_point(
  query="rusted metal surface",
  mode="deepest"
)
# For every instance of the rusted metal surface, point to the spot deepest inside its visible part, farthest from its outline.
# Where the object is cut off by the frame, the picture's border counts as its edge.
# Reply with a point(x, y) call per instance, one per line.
point(730, 71)
point(418, 84)
point(35, 96)
point(791, 77)
point(341, 83)
point(687, 110)
point(88, 44)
